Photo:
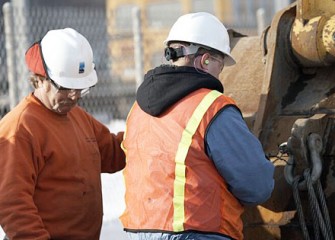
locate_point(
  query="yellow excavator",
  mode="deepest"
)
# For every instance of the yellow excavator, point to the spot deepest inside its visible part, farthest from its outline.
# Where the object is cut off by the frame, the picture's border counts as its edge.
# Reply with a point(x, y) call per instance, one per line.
point(284, 83)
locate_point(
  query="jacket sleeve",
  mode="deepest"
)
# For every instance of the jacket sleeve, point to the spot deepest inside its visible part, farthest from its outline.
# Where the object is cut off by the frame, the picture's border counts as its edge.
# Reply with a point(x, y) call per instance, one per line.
point(19, 216)
point(239, 158)
point(112, 156)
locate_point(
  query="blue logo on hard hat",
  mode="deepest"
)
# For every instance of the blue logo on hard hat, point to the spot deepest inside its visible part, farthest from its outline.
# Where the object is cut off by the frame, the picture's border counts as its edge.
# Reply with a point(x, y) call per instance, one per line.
point(81, 67)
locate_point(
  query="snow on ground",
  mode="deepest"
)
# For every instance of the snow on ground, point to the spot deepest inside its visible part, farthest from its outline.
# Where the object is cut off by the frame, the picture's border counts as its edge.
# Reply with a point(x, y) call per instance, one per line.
point(113, 198)
point(113, 190)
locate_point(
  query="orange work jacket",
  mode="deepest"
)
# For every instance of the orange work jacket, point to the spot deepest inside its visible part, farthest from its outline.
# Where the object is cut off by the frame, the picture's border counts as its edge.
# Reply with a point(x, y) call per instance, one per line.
point(171, 184)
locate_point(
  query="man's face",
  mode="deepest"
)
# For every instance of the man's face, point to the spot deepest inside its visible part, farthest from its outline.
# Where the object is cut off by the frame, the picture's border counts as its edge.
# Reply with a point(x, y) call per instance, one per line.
point(61, 100)
point(216, 66)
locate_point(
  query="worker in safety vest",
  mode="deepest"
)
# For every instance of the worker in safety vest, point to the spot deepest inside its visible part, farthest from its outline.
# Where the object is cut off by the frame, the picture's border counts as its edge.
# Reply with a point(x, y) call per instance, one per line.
point(192, 163)
point(52, 151)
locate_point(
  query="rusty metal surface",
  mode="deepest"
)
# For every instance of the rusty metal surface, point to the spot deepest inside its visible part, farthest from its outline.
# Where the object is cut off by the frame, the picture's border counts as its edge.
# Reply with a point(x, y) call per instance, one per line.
point(279, 72)
point(305, 149)
point(243, 89)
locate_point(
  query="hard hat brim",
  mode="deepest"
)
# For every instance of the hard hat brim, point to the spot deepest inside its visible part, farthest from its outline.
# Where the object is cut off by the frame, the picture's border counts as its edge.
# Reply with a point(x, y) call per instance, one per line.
point(229, 60)
point(76, 83)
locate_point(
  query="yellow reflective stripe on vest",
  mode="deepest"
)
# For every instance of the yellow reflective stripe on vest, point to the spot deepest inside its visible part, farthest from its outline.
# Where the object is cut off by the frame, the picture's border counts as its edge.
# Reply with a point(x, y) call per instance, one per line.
point(183, 147)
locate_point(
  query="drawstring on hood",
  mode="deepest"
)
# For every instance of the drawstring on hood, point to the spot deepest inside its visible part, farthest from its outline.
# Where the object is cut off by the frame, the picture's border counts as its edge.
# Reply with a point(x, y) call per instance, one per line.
point(165, 85)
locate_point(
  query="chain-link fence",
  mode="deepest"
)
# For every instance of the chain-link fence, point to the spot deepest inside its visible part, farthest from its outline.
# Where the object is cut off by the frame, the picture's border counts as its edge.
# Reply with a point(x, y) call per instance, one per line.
point(21, 25)
point(111, 34)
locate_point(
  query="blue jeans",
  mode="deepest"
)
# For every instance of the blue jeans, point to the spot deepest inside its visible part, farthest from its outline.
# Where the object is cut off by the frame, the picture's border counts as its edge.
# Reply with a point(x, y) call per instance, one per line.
point(169, 236)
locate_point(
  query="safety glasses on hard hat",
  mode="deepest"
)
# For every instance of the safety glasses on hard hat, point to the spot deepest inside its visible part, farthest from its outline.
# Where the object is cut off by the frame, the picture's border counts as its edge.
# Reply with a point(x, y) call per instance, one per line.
point(220, 60)
point(68, 91)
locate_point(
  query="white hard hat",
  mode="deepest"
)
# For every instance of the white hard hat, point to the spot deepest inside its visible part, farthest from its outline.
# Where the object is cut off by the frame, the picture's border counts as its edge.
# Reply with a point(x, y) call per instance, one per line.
point(204, 29)
point(66, 57)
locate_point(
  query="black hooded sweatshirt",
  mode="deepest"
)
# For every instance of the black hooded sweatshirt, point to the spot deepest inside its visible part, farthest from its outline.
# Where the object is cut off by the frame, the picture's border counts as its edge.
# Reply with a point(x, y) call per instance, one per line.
point(167, 84)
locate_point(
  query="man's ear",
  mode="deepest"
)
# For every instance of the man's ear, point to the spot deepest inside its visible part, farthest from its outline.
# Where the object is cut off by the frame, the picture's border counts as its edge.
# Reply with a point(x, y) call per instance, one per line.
point(39, 81)
point(204, 61)
point(44, 83)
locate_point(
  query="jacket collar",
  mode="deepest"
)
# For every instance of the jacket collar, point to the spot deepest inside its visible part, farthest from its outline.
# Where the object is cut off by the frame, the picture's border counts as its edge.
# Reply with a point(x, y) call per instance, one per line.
point(167, 84)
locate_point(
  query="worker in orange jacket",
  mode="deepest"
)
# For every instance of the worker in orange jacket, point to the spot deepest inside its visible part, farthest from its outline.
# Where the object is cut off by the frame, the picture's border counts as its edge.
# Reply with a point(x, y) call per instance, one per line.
point(192, 163)
point(52, 151)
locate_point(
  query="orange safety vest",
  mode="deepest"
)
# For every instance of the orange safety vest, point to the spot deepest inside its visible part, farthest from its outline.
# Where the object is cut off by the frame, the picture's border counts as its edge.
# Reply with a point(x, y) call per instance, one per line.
point(171, 184)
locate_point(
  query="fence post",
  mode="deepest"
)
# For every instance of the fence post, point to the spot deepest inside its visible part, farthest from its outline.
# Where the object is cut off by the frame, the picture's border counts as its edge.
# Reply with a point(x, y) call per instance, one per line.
point(21, 32)
point(10, 53)
point(138, 46)
point(260, 21)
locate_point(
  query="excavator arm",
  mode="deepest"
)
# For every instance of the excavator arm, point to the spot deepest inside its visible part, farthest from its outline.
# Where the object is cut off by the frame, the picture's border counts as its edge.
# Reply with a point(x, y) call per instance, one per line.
point(284, 83)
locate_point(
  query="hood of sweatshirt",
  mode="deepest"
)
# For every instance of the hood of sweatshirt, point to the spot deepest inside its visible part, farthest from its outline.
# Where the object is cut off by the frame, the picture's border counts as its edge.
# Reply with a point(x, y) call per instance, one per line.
point(165, 85)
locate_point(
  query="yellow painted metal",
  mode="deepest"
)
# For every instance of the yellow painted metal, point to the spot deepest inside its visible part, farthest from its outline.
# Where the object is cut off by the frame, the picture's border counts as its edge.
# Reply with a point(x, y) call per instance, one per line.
point(307, 44)
point(329, 35)
point(313, 33)
point(307, 9)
